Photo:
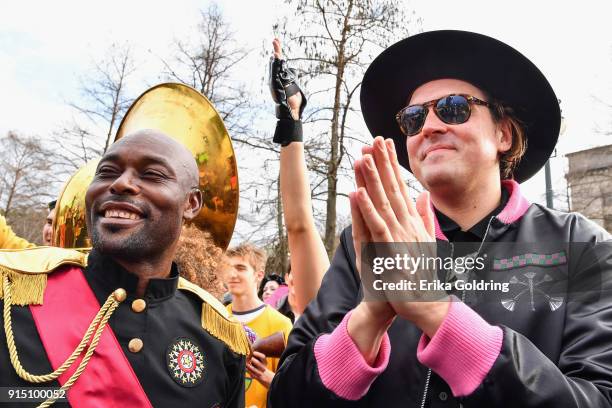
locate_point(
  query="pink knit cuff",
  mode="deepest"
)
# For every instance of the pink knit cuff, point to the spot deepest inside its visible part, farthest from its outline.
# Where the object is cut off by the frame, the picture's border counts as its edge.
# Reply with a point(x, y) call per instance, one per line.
point(342, 368)
point(463, 349)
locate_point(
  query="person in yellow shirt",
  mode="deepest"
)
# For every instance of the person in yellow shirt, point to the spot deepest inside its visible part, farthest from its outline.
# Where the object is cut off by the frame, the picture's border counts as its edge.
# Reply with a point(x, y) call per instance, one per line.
point(243, 271)
point(8, 239)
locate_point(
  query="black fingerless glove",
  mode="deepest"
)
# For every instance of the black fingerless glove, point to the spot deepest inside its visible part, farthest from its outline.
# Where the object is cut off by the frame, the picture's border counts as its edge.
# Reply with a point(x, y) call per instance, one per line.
point(283, 85)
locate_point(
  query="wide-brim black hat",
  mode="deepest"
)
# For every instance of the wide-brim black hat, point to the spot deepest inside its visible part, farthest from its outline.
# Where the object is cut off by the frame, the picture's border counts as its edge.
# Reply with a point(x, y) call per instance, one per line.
point(496, 68)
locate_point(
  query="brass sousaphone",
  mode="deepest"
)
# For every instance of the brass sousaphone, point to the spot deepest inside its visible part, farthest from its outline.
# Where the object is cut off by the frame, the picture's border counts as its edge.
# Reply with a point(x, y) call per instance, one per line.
point(187, 116)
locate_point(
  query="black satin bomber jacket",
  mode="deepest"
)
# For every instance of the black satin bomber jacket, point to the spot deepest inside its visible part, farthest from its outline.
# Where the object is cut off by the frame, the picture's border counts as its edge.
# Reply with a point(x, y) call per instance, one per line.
point(549, 358)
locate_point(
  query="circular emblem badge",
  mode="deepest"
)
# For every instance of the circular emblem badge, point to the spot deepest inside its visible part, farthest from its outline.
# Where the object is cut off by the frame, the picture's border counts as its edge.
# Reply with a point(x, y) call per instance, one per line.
point(185, 362)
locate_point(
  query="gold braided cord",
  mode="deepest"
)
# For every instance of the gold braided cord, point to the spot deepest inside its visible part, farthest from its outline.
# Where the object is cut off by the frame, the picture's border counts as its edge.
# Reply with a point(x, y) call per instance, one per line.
point(98, 323)
point(13, 349)
point(87, 357)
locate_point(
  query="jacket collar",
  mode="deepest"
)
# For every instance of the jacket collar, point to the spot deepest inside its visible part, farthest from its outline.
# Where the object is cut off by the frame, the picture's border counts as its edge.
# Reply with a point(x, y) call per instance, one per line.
point(515, 208)
point(477, 231)
point(107, 275)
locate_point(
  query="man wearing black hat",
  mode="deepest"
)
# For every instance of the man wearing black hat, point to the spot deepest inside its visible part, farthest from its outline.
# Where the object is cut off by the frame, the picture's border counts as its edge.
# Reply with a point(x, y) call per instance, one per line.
point(471, 118)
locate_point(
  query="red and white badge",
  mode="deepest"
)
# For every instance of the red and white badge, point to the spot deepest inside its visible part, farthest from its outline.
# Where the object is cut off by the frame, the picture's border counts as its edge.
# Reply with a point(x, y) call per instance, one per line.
point(185, 362)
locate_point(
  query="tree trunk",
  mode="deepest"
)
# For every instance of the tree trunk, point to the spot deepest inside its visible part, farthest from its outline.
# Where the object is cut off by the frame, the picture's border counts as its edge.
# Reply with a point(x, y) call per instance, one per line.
point(12, 189)
point(334, 158)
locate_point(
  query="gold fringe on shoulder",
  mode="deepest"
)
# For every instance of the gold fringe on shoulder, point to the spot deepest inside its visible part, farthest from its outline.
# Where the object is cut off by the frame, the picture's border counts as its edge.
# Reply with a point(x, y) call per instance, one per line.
point(230, 332)
point(27, 270)
point(27, 289)
point(217, 321)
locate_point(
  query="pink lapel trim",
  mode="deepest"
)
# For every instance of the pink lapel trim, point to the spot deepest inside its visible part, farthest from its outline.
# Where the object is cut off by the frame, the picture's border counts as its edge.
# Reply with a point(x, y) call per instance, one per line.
point(439, 234)
point(517, 203)
point(515, 208)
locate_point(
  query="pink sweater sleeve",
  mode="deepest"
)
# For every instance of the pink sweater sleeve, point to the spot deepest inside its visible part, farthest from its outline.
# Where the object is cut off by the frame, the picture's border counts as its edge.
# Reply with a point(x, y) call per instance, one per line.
point(463, 349)
point(342, 368)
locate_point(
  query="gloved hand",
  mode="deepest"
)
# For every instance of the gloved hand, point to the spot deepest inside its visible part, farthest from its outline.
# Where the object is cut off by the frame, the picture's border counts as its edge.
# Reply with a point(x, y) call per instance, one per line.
point(289, 98)
point(282, 87)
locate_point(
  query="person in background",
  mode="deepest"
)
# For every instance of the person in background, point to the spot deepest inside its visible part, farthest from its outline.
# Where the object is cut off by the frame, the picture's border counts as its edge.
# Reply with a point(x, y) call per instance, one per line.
point(280, 293)
point(309, 259)
point(243, 270)
point(47, 232)
point(269, 287)
point(9, 240)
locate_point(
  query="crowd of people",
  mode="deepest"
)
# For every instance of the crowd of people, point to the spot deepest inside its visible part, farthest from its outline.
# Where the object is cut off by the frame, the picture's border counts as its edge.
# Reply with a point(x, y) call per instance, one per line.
point(471, 118)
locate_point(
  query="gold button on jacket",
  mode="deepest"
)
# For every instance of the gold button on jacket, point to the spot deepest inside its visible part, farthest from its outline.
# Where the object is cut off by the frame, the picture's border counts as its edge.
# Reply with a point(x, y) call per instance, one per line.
point(139, 305)
point(135, 345)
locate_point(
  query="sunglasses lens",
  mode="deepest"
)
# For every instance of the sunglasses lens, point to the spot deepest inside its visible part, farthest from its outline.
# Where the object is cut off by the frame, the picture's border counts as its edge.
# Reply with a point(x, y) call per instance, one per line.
point(412, 118)
point(454, 109)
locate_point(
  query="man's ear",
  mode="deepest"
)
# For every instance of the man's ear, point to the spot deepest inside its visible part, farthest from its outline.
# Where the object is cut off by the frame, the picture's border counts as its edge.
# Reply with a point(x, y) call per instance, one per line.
point(504, 134)
point(193, 204)
point(259, 275)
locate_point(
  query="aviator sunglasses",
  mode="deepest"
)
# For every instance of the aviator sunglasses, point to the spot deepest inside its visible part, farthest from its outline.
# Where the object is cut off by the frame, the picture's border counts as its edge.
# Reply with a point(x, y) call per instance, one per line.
point(451, 109)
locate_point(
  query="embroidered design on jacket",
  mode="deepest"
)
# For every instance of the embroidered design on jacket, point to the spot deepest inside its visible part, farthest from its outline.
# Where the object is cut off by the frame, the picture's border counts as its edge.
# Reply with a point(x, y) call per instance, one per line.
point(557, 258)
point(185, 362)
point(531, 288)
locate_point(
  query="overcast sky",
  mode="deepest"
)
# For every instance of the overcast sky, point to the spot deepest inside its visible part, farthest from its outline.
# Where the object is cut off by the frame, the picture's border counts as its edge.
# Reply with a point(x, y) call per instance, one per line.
point(46, 46)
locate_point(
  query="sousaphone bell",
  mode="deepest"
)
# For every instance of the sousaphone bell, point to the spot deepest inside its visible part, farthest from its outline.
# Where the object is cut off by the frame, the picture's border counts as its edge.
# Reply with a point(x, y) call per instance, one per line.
point(187, 116)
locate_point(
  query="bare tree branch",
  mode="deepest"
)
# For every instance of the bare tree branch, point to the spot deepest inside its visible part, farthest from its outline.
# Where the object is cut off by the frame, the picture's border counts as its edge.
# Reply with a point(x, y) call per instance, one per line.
point(343, 37)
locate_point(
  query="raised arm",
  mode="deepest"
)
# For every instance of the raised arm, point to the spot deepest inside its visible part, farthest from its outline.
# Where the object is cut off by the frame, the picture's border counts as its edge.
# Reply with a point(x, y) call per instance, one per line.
point(308, 256)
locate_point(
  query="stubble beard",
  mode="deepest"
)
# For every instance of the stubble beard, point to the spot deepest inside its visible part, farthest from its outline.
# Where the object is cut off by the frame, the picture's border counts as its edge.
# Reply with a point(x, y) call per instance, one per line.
point(137, 246)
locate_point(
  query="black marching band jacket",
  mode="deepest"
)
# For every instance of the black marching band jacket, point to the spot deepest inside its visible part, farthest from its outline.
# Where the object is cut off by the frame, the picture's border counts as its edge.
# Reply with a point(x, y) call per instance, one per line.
point(176, 346)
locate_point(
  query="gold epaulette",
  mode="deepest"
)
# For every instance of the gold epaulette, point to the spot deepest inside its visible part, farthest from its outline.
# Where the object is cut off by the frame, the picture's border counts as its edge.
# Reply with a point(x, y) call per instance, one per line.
point(217, 321)
point(27, 270)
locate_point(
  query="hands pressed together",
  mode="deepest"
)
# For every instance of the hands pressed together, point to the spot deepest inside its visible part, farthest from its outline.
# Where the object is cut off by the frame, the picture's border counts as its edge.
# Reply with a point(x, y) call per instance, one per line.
point(382, 211)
